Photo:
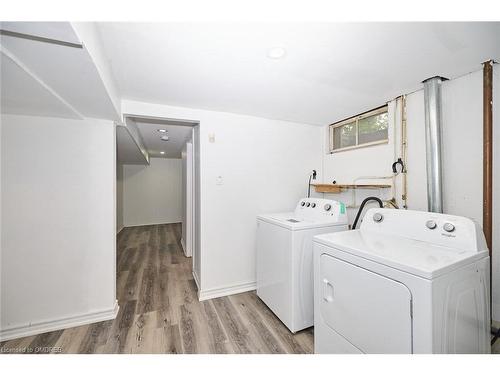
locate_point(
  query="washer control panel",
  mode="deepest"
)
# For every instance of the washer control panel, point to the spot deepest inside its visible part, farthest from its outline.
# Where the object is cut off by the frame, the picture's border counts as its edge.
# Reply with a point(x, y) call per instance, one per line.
point(312, 209)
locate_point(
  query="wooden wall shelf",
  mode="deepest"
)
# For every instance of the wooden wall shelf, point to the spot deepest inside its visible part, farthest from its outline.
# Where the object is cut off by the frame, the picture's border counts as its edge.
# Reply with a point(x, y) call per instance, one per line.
point(337, 188)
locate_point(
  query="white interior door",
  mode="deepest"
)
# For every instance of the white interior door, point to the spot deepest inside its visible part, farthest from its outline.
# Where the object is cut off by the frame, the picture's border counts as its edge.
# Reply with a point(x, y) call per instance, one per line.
point(371, 311)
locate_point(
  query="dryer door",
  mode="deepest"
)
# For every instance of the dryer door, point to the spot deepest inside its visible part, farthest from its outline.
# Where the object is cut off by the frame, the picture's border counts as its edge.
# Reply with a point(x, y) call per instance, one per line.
point(369, 310)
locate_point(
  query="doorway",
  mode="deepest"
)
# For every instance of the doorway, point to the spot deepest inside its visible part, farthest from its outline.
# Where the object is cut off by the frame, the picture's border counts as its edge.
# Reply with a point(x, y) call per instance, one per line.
point(146, 147)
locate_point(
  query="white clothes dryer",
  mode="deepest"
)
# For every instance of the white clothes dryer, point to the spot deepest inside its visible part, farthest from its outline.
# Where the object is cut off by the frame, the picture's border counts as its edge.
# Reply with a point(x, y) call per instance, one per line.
point(405, 282)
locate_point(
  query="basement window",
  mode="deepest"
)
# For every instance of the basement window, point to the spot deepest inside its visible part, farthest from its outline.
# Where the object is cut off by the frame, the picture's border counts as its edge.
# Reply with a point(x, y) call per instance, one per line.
point(367, 129)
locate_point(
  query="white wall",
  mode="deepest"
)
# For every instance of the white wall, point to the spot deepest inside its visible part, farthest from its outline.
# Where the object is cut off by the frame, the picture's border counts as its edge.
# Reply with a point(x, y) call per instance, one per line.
point(152, 193)
point(119, 198)
point(58, 223)
point(416, 164)
point(462, 139)
point(264, 166)
point(462, 148)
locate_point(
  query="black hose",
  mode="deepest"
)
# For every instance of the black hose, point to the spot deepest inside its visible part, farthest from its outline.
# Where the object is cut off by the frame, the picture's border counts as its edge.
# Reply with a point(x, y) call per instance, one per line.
point(363, 206)
point(496, 335)
point(395, 164)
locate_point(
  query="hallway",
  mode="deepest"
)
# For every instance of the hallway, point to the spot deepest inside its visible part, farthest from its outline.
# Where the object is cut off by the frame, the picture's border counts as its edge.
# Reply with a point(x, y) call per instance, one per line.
point(160, 312)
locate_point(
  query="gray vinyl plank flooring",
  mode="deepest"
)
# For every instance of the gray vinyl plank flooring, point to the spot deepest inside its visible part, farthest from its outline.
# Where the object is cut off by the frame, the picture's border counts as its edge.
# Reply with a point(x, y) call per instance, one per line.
point(160, 311)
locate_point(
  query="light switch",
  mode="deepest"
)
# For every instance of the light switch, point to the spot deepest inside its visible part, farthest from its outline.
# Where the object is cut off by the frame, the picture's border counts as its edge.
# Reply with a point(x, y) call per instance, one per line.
point(219, 180)
point(211, 137)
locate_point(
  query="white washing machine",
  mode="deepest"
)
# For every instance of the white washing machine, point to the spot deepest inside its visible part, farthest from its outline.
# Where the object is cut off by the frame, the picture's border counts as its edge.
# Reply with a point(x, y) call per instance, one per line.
point(405, 282)
point(285, 260)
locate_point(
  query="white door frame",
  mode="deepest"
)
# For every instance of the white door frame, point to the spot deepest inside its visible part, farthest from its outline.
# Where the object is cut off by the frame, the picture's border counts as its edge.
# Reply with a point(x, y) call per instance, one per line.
point(188, 170)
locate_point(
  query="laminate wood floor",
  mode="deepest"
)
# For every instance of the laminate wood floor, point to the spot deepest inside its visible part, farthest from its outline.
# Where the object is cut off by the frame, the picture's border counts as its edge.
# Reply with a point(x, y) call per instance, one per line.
point(160, 311)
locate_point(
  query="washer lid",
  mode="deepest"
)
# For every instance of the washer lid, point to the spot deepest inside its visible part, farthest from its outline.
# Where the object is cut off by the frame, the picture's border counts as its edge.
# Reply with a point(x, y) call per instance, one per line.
point(420, 258)
point(290, 221)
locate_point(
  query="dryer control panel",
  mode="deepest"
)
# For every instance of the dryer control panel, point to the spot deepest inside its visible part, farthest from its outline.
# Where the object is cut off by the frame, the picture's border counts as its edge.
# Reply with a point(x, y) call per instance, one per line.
point(317, 209)
point(441, 229)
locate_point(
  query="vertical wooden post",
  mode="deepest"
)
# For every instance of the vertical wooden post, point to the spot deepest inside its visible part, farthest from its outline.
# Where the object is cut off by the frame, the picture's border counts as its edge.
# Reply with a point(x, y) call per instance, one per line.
point(488, 156)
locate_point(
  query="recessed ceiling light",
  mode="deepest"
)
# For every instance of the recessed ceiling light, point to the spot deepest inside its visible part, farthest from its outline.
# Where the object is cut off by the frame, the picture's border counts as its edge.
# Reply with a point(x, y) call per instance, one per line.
point(164, 137)
point(162, 152)
point(163, 130)
point(276, 53)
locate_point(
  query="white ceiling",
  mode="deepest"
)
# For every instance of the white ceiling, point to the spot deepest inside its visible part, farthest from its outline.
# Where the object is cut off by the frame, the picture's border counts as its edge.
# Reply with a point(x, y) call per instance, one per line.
point(127, 151)
point(177, 132)
point(330, 71)
point(51, 79)
point(53, 30)
point(22, 94)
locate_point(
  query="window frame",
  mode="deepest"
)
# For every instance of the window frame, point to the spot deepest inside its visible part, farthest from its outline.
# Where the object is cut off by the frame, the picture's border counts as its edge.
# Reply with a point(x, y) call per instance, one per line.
point(355, 119)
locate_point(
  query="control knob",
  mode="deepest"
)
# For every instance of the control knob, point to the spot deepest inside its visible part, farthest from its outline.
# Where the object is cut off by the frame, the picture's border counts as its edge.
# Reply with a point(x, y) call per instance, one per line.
point(377, 217)
point(328, 207)
point(431, 224)
point(449, 227)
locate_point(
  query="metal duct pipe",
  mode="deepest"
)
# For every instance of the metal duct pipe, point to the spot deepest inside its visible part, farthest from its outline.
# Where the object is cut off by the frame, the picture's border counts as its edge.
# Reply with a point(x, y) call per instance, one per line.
point(432, 103)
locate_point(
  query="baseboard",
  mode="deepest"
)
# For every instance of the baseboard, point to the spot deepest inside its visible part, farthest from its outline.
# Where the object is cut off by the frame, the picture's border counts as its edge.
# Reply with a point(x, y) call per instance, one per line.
point(146, 224)
point(54, 325)
point(186, 253)
point(197, 281)
point(226, 291)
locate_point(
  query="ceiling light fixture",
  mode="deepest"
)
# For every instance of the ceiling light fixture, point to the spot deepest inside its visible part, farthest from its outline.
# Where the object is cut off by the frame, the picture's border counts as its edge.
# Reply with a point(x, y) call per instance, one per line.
point(276, 53)
point(163, 130)
point(164, 137)
point(162, 152)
